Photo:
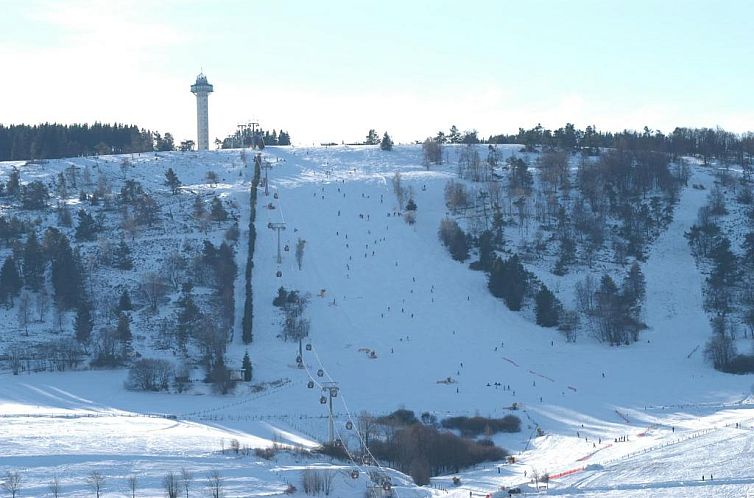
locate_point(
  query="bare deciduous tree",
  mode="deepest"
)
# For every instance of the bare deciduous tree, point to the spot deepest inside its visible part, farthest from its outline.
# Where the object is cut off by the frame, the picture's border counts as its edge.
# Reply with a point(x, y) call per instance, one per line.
point(171, 485)
point(43, 304)
point(173, 269)
point(133, 483)
point(153, 288)
point(12, 483)
point(187, 479)
point(54, 486)
point(24, 310)
point(399, 190)
point(215, 484)
point(96, 481)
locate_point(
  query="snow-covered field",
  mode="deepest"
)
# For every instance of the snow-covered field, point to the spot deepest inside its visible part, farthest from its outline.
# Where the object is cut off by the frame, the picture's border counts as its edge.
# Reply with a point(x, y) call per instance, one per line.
point(380, 284)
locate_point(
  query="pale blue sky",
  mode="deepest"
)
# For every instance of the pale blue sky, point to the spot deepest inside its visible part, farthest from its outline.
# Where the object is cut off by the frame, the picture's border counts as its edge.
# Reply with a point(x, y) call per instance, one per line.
point(331, 70)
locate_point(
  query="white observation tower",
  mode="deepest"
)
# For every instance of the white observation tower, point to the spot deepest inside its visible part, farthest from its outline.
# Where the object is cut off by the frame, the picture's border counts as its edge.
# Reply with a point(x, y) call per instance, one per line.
point(202, 89)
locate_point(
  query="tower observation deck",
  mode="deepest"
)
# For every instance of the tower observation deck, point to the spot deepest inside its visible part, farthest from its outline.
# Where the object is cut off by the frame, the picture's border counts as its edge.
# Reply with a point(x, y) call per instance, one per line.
point(202, 89)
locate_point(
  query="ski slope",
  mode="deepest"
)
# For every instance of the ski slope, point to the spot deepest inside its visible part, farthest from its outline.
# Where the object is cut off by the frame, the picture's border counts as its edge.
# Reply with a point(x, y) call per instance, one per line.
point(379, 284)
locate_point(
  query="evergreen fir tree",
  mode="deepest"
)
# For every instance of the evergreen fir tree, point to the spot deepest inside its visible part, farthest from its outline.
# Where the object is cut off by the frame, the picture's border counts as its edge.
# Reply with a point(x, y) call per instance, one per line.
point(83, 324)
point(34, 262)
point(486, 250)
point(87, 227)
point(546, 308)
point(34, 195)
point(122, 256)
point(372, 138)
point(188, 314)
point(199, 210)
point(172, 181)
point(10, 281)
point(67, 274)
point(247, 368)
point(454, 136)
point(14, 182)
point(387, 142)
point(217, 211)
point(509, 281)
point(124, 302)
point(123, 329)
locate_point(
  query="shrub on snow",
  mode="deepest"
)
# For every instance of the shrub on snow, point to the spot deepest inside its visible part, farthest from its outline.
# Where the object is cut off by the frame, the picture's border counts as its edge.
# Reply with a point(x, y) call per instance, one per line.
point(149, 374)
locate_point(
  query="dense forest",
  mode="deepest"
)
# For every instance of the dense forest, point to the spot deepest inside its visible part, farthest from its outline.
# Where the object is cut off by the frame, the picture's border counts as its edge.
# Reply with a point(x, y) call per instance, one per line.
point(707, 143)
point(53, 140)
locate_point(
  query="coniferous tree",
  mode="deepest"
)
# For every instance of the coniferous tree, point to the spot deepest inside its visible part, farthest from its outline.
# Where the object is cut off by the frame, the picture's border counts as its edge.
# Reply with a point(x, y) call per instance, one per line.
point(124, 302)
point(123, 329)
point(122, 256)
point(386, 143)
point(147, 210)
point(199, 211)
point(284, 138)
point(546, 308)
point(188, 315)
point(34, 262)
point(87, 228)
point(217, 211)
point(34, 195)
point(10, 281)
point(372, 138)
point(67, 274)
point(486, 250)
point(454, 136)
point(509, 280)
point(608, 311)
point(83, 324)
point(13, 186)
point(246, 367)
point(634, 288)
point(172, 181)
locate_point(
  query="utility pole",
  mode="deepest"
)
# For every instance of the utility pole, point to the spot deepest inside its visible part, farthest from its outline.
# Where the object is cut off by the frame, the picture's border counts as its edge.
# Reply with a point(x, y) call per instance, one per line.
point(332, 391)
point(278, 227)
point(267, 166)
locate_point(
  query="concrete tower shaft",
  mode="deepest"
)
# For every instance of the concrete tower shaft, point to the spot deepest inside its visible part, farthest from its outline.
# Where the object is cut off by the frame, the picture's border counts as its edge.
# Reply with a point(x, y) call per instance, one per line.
point(202, 89)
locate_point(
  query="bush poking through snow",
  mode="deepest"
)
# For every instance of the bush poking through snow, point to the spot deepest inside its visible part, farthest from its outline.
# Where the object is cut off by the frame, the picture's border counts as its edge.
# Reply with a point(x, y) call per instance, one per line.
point(317, 482)
point(475, 426)
point(149, 374)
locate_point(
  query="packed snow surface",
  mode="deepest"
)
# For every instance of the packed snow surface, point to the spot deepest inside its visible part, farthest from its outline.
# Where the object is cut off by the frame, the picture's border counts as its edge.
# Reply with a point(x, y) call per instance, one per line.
point(652, 417)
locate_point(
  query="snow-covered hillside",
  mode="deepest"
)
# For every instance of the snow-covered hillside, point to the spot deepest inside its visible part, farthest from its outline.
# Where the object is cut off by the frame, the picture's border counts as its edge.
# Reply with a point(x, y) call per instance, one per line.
point(378, 284)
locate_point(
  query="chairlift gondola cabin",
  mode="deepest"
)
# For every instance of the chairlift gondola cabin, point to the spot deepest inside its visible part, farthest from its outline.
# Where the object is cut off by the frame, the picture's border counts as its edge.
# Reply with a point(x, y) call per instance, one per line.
point(349, 425)
point(354, 474)
point(275, 195)
point(310, 384)
point(287, 248)
point(279, 274)
point(333, 392)
point(298, 359)
point(308, 347)
point(320, 373)
point(323, 400)
point(269, 225)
